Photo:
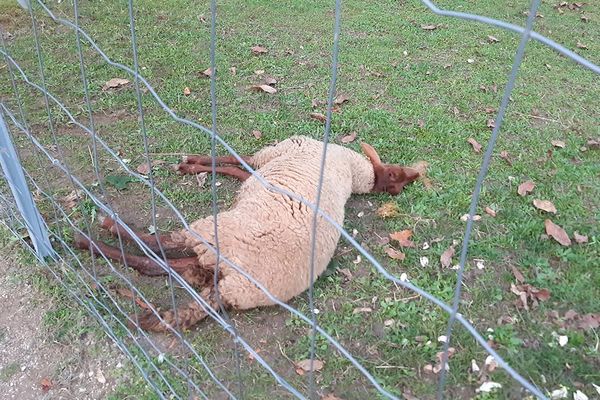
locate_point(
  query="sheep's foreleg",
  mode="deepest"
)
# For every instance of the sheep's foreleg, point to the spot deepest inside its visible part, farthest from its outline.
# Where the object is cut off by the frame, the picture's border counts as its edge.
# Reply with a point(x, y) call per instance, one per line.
point(152, 241)
point(184, 317)
point(236, 172)
point(143, 265)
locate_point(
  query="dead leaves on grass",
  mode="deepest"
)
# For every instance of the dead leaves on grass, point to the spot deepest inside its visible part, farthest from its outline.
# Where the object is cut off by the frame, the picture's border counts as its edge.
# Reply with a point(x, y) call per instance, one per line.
point(544, 205)
point(525, 188)
point(318, 116)
point(395, 254)
point(258, 50)
point(403, 238)
point(304, 366)
point(264, 88)
point(528, 293)
point(446, 257)
point(349, 138)
point(388, 210)
point(115, 83)
point(557, 233)
point(475, 144)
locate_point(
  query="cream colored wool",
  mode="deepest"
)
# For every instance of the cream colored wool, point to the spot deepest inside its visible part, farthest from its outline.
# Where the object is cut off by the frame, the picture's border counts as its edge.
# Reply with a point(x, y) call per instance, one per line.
point(268, 233)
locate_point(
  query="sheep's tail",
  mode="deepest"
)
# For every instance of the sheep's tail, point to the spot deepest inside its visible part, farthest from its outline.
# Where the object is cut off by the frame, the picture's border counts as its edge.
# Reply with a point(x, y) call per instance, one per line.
point(183, 318)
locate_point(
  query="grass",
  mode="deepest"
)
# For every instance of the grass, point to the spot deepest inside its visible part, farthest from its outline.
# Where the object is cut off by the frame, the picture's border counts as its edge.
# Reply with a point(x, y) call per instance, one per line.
point(413, 95)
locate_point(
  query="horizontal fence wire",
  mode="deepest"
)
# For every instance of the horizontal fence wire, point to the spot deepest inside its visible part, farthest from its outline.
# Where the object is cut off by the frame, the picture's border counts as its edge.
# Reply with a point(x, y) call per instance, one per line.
point(107, 310)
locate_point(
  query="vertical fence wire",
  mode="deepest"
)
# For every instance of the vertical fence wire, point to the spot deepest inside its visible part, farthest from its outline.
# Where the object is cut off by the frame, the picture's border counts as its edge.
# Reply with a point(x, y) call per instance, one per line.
point(223, 318)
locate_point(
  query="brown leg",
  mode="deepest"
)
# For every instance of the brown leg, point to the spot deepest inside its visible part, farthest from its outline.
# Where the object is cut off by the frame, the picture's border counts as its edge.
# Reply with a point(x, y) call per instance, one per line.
point(207, 160)
point(143, 265)
point(152, 241)
point(236, 172)
point(186, 316)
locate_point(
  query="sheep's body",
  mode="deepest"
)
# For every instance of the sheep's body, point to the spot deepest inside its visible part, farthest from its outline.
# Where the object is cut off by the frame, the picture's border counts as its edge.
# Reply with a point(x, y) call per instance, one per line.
point(268, 233)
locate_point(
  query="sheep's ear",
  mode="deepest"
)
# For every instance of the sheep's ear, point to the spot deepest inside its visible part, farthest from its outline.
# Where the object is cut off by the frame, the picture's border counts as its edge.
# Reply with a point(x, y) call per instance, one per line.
point(371, 153)
point(411, 174)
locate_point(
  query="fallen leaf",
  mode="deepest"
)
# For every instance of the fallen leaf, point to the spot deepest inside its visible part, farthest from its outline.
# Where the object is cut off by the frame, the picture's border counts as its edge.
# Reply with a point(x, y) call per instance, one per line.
point(446, 257)
point(318, 116)
point(490, 363)
point(518, 275)
point(492, 39)
point(341, 99)
point(474, 366)
point(557, 233)
point(130, 295)
point(361, 310)
point(505, 156)
point(304, 365)
point(70, 200)
point(525, 188)
point(144, 168)
point(346, 272)
point(581, 45)
point(424, 261)
point(563, 340)
point(264, 88)
point(46, 384)
point(579, 238)
point(593, 144)
point(491, 123)
point(349, 138)
point(544, 205)
point(429, 27)
point(403, 238)
point(490, 110)
point(561, 393)
point(257, 134)
point(470, 60)
point(476, 146)
point(257, 50)
point(259, 71)
point(579, 395)
point(465, 217)
point(187, 91)
point(528, 292)
point(490, 211)
point(388, 210)
point(115, 83)
point(207, 72)
point(100, 377)
point(395, 254)
point(589, 321)
point(487, 387)
point(233, 71)
point(201, 178)
point(558, 143)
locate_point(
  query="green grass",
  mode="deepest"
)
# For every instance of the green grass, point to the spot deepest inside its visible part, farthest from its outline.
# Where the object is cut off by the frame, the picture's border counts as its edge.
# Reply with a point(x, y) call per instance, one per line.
point(422, 104)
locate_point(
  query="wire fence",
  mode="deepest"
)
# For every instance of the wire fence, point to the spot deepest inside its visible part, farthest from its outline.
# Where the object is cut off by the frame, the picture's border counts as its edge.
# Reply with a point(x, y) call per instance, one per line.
point(85, 278)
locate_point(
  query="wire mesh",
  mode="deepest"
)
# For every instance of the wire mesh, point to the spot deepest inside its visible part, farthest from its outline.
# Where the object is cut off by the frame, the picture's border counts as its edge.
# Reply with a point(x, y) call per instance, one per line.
point(83, 278)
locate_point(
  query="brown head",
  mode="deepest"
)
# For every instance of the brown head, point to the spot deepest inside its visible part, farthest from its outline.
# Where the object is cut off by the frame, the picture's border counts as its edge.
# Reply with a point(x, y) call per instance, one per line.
point(389, 178)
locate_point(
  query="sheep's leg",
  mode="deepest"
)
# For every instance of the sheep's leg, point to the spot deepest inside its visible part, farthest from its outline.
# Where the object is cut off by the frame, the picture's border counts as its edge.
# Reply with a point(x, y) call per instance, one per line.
point(143, 265)
point(152, 241)
point(236, 172)
point(184, 317)
point(207, 160)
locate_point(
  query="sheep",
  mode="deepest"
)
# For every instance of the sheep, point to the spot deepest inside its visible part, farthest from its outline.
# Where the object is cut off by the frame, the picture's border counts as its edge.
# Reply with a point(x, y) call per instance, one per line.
point(265, 232)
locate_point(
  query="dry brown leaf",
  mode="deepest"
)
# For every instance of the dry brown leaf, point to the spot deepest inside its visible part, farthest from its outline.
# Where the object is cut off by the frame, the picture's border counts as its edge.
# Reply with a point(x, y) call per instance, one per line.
point(233, 71)
point(318, 116)
point(589, 321)
point(187, 91)
point(581, 45)
point(70, 200)
point(579, 238)
point(544, 205)
point(257, 50)
point(465, 217)
point(362, 310)
point(46, 384)
point(403, 238)
point(593, 144)
point(207, 72)
point(341, 99)
point(446, 257)
point(429, 27)
point(525, 188)
point(144, 168)
point(395, 254)
point(557, 233)
point(304, 365)
point(270, 80)
point(518, 274)
point(528, 293)
point(264, 88)
point(349, 138)
point(490, 110)
point(257, 134)
point(476, 146)
point(388, 210)
point(492, 39)
point(115, 83)
point(129, 294)
point(491, 123)
point(558, 143)
point(505, 156)
point(490, 211)
point(346, 272)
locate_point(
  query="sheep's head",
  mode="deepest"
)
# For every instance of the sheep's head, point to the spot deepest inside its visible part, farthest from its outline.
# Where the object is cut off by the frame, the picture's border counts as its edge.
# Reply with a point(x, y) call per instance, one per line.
point(389, 178)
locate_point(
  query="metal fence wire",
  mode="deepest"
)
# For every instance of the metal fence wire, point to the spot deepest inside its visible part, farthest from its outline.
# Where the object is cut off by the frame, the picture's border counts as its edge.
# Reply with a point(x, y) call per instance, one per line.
point(85, 278)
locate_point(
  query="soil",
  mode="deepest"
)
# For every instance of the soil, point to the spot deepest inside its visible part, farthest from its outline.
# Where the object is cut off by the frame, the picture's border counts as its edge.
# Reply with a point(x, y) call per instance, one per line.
point(33, 365)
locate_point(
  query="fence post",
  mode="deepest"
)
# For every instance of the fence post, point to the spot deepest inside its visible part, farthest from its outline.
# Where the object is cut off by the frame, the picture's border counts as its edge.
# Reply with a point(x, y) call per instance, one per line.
point(23, 198)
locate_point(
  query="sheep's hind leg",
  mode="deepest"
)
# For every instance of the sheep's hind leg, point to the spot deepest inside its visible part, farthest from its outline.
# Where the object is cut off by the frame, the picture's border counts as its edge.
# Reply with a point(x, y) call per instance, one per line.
point(144, 265)
point(184, 317)
point(235, 172)
point(152, 241)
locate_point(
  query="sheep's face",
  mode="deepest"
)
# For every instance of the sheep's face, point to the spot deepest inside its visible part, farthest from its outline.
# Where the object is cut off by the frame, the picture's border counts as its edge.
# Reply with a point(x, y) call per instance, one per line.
point(389, 178)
